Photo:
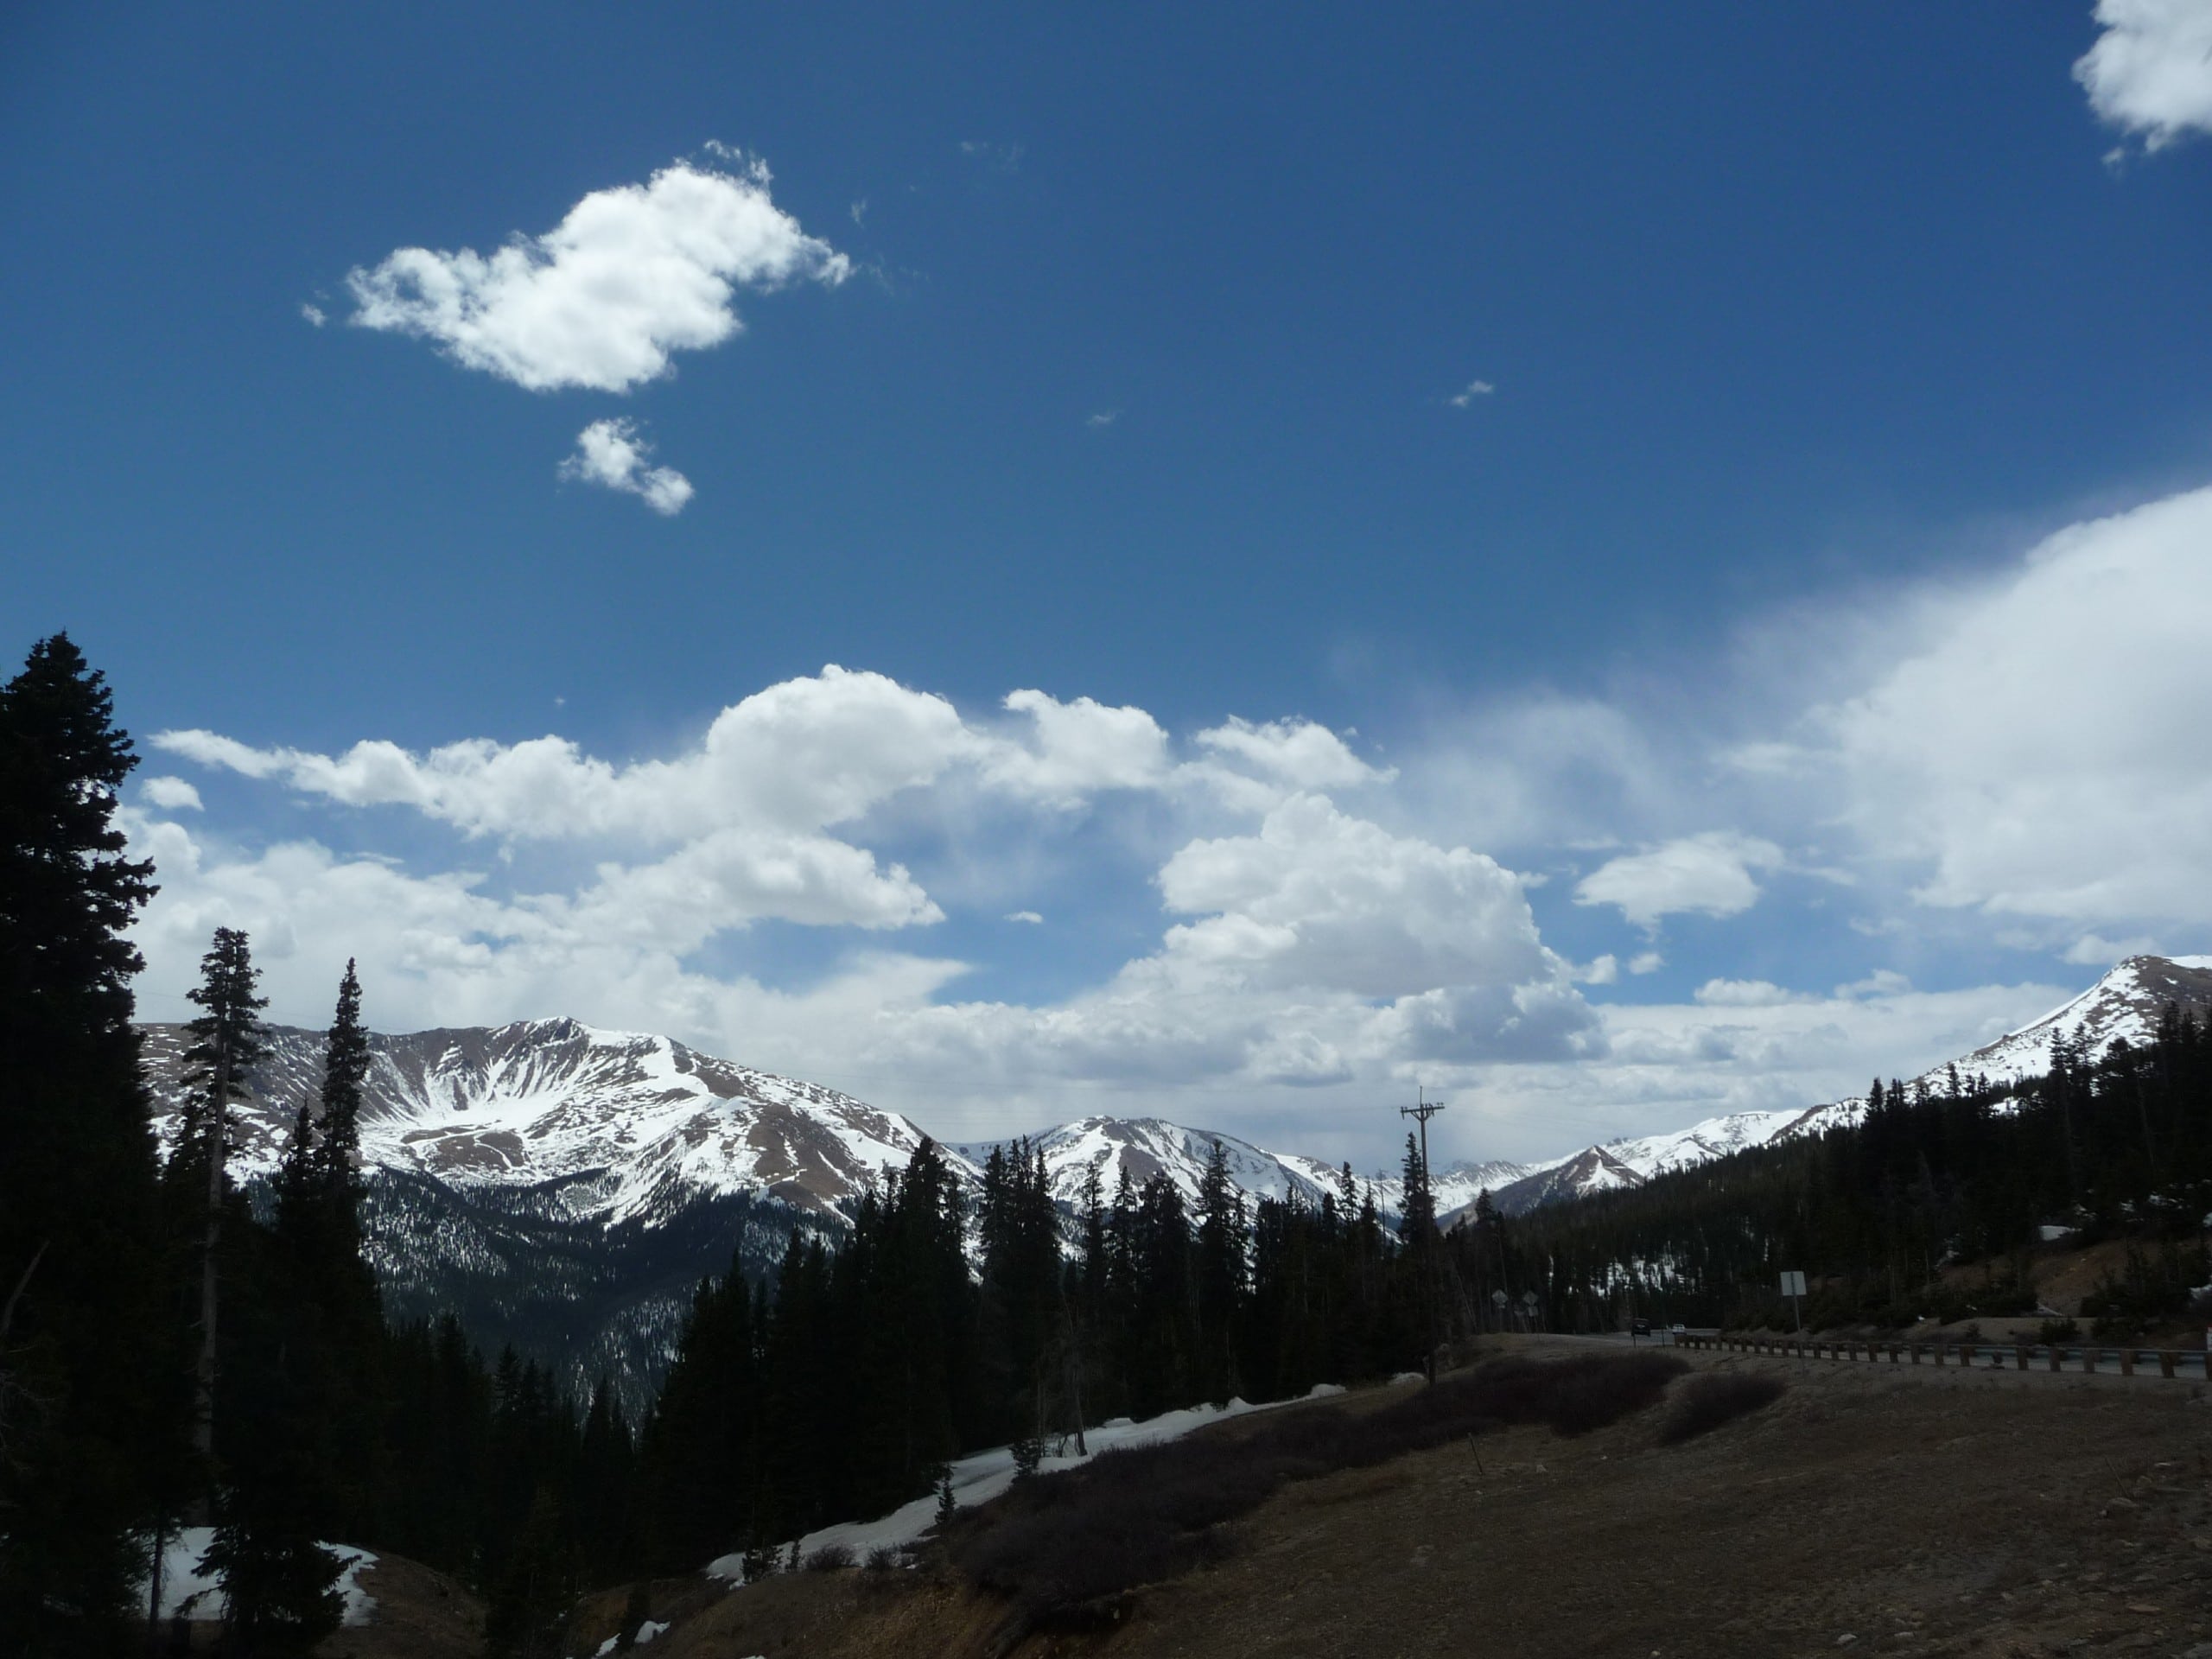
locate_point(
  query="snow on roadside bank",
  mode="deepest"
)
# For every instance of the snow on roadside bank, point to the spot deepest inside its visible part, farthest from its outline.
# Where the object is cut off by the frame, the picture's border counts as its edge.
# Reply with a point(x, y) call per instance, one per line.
point(182, 1578)
point(982, 1476)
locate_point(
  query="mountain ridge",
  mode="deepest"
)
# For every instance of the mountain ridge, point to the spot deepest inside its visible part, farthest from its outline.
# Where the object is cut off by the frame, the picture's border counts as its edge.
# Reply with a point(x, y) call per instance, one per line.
point(2124, 1004)
point(524, 1169)
point(656, 1123)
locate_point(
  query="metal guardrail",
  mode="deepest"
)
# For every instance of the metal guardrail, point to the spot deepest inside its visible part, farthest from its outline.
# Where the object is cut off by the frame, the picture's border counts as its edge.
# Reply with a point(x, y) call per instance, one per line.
point(2088, 1357)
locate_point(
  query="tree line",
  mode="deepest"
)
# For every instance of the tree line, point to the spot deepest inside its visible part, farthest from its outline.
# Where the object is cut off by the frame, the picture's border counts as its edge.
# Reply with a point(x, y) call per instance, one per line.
point(948, 1320)
point(1881, 1214)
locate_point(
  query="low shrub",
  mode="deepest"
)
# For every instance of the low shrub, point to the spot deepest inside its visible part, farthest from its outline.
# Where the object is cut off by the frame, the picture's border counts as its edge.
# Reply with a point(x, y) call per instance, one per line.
point(1063, 1546)
point(885, 1558)
point(2053, 1333)
point(830, 1558)
point(1704, 1404)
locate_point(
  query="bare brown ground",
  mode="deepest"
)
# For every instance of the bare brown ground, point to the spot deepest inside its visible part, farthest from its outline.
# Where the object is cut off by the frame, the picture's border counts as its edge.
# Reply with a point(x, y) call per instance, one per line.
point(2061, 1277)
point(420, 1614)
point(1911, 1511)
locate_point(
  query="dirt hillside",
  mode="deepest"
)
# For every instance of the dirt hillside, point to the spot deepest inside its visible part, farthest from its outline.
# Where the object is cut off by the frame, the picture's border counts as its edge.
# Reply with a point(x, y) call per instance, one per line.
point(1931, 1512)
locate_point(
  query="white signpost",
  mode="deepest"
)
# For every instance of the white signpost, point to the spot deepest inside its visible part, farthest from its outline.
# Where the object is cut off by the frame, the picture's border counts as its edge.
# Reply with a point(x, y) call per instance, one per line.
point(1793, 1286)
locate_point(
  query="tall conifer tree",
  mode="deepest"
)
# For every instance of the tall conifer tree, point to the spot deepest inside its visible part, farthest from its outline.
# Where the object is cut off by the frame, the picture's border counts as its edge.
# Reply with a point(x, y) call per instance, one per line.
point(226, 1041)
point(83, 1413)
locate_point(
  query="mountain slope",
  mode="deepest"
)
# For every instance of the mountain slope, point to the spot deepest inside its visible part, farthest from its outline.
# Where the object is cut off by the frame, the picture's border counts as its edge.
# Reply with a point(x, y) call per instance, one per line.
point(2125, 1004)
point(551, 1100)
point(561, 1188)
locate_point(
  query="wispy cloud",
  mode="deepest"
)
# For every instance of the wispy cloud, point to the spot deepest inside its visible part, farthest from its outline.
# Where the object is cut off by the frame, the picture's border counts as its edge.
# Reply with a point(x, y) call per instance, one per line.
point(996, 157)
point(859, 211)
point(1465, 396)
point(314, 313)
point(612, 454)
point(632, 275)
point(1104, 418)
point(1028, 916)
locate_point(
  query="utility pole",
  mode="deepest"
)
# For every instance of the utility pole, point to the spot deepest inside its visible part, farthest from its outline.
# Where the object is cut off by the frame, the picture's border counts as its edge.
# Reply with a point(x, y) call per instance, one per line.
point(1422, 1109)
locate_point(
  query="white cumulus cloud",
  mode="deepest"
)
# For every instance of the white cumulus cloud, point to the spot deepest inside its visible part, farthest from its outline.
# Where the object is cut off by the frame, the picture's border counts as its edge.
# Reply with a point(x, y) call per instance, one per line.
point(630, 276)
point(1295, 752)
point(1708, 874)
point(2149, 72)
point(612, 454)
point(1465, 398)
point(800, 755)
point(1072, 750)
point(1317, 898)
point(171, 794)
point(2034, 746)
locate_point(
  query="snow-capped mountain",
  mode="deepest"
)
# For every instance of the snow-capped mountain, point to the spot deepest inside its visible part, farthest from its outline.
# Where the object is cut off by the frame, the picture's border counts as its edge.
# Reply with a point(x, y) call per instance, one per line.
point(1149, 1146)
point(1633, 1161)
point(2126, 1003)
point(657, 1125)
point(565, 1188)
point(1145, 1147)
point(562, 1188)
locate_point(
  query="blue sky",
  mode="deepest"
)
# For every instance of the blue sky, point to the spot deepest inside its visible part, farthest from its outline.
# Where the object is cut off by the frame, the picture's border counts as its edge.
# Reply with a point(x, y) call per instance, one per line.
point(1622, 565)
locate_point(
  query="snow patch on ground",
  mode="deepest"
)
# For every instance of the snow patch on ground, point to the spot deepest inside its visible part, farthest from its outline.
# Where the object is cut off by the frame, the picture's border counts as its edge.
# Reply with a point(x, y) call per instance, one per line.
point(182, 1580)
point(982, 1477)
point(646, 1631)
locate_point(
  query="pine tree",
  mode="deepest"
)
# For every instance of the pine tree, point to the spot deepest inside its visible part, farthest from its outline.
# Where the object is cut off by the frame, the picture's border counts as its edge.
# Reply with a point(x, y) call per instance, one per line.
point(87, 1419)
point(1221, 1267)
point(302, 1369)
point(345, 1072)
point(227, 1042)
point(533, 1594)
point(606, 1479)
point(1419, 1231)
point(279, 1585)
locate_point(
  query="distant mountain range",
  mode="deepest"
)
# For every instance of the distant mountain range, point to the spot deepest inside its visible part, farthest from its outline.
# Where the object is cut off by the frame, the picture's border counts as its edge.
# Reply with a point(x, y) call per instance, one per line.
point(565, 1188)
point(2125, 1004)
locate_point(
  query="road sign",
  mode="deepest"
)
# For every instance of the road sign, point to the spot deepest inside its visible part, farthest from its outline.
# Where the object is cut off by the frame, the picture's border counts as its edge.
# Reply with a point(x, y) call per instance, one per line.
point(1497, 1299)
point(1793, 1283)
